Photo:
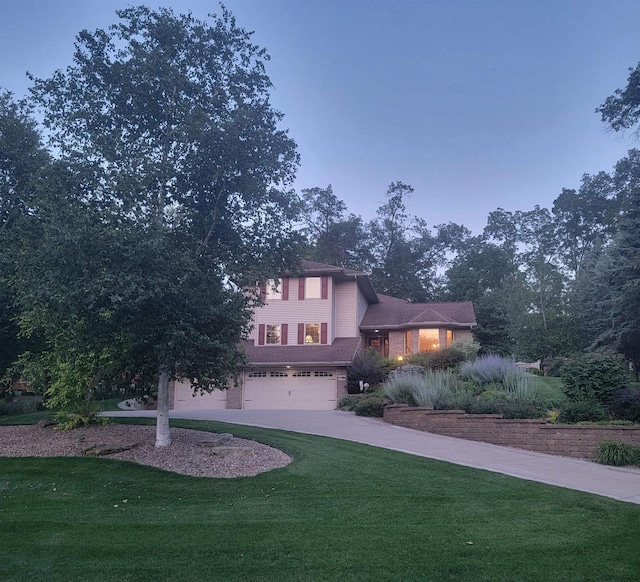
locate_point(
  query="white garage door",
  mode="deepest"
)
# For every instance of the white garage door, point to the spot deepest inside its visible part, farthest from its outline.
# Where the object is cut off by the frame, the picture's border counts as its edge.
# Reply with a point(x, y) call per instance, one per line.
point(185, 400)
point(291, 390)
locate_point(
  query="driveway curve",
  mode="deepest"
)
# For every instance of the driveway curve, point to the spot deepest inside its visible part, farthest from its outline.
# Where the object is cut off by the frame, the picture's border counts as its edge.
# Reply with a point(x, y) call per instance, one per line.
point(618, 483)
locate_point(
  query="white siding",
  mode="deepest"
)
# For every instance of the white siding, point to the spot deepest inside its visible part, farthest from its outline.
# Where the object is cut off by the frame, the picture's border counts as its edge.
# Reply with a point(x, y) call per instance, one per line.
point(294, 311)
point(361, 307)
point(345, 309)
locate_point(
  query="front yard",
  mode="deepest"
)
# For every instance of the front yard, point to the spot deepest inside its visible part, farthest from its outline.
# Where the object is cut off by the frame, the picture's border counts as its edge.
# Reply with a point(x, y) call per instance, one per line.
point(340, 511)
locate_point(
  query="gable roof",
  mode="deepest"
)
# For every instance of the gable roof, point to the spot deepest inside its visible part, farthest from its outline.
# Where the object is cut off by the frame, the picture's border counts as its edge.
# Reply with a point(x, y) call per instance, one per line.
point(340, 353)
point(393, 313)
point(315, 269)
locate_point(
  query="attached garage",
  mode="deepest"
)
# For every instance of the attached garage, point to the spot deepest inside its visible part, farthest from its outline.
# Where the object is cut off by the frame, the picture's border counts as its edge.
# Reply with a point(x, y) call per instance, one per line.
point(290, 389)
point(184, 398)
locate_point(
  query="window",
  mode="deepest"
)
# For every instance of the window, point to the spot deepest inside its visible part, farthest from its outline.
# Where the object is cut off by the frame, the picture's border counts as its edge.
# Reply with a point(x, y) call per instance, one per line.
point(323, 374)
point(429, 340)
point(302, 374)
point(257, 374)
point(449, 337)
point(407, 342)
point(313, 288)
point(278, 375)
point(274, 289)
point(312, 333)
point(273, 334)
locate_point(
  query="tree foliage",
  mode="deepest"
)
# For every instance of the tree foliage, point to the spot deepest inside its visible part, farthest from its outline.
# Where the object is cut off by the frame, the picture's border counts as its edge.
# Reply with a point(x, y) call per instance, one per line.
point(178, 194)
point(622, 109)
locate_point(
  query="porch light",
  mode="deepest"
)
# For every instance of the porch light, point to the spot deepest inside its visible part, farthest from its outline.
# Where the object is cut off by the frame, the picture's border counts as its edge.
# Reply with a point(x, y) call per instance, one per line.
point(400, 358)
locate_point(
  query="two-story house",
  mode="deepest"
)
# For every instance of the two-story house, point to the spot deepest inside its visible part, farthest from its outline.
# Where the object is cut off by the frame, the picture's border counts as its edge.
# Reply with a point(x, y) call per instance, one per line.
point(311, 327)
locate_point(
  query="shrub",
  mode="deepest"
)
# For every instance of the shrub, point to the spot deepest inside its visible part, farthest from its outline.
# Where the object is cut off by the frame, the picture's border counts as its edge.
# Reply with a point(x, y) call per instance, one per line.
point(401, 384)
point(487, 369)
point(498, 403)
point(519, 384)
point(468, 347)
point(20, 405)
point(348, 402)
point(369, 406)
point(423, 360)
point(434, 389)
point(573, 411)
point(594, 376)
point(625, 404)
point(617, 453)
point(446, 358)
point(368, 366)
point(83, 413)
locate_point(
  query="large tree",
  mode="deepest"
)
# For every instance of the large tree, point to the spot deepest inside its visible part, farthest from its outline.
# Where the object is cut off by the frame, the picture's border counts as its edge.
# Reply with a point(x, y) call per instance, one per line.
point(22, 162)
point(180, 198)
point(610, 287)
point(333, 236)
point(622, 109)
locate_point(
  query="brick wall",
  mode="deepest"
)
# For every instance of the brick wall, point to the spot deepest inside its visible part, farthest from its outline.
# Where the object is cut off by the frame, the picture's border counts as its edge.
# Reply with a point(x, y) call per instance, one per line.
point(396, 344)
point(534, 435)
point(234, 396)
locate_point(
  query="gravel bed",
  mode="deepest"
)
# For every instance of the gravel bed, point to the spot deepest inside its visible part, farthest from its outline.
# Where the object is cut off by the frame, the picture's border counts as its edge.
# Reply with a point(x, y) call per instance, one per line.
point(191, 452)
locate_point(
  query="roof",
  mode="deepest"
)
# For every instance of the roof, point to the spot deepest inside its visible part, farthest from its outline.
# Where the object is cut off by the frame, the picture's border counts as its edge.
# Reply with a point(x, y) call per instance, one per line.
point(313, 268)
point(340, 352)
point(393, 313)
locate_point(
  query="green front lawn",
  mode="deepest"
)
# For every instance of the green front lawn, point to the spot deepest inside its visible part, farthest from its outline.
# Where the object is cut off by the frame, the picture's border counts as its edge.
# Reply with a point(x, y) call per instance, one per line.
point(340, 511)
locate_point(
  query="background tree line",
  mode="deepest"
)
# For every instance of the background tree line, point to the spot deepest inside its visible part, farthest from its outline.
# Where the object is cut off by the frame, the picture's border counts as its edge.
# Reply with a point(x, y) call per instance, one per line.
point(544, 282)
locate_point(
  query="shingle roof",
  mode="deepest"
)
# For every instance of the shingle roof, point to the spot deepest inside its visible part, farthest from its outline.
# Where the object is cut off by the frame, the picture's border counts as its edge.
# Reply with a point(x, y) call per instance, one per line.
point(391, 313)
point(341, 351)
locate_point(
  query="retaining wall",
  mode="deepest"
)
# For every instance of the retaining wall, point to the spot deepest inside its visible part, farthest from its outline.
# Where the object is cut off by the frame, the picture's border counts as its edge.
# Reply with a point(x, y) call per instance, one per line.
point(535, 435)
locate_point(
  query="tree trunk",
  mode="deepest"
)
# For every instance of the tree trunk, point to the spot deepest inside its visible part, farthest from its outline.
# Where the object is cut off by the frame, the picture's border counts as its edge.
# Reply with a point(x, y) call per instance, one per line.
point(163, 434)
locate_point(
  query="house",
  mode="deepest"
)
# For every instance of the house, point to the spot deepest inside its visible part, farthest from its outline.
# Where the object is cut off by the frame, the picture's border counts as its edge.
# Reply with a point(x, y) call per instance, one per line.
point(310, 328)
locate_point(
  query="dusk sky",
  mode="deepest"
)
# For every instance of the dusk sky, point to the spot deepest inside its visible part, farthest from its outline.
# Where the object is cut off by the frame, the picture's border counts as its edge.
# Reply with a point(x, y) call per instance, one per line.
point(477, 105)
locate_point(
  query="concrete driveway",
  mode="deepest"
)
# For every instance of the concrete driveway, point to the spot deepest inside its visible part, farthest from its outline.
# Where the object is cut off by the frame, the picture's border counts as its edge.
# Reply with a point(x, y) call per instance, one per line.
point(618, 483)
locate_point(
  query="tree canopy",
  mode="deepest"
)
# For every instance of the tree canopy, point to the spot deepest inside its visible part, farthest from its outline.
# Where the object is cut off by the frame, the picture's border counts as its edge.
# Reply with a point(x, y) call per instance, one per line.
point(177, 195)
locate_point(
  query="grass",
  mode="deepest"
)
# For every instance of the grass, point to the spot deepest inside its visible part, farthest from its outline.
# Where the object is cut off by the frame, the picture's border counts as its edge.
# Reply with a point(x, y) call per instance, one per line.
point(549, 389)
point(341, 510)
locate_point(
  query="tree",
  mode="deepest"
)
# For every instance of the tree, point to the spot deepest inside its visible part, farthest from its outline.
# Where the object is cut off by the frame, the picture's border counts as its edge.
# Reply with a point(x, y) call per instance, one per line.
point(583, 217)
point(181, 187)
point(622, 109)
point(22, 159)
point(333, 236)
point(405, 254)
point(610, 288)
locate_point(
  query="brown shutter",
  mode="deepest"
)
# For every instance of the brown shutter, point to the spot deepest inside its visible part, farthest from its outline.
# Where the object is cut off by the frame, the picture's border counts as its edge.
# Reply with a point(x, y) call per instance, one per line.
point(325, 287)
point(300, 333)
point(323, 333)
point(263, 293)
point(285, 289)
point(261, 334)
point(284, 334)
point(301, 288)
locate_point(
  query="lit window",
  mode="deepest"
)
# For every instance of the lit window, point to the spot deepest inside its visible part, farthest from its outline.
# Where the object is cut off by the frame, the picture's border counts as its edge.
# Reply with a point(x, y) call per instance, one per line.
point(449, 337)
point(429, 340)
point(313, 288)
point(273, 334)
point(312, 333)
point(274, 289)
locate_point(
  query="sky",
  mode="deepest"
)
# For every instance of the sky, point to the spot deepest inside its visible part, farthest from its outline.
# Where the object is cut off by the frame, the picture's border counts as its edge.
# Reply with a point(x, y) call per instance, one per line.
point(476, 105)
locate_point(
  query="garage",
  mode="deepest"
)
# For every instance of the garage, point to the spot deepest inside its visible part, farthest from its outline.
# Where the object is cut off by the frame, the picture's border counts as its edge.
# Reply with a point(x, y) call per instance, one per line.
point(185, 400)
point(290, 390)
